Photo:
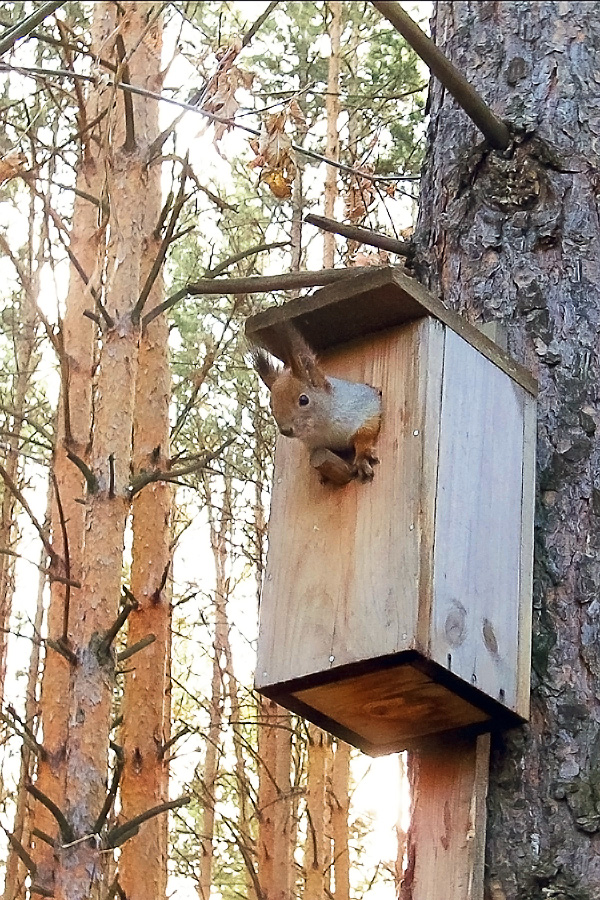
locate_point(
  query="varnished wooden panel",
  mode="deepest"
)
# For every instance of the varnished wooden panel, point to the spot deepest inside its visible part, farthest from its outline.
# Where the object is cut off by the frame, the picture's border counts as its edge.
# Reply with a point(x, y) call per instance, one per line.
point(392, 707)
point(477, 555)
point(342, 579)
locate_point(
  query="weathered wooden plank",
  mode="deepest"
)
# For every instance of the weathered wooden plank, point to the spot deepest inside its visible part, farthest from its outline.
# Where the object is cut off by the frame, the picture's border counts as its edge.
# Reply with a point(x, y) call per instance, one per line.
point(526, 560)
point(372, 301)
point(430, 399)
point(342, 575)
point(446, 840)
point(477, 554)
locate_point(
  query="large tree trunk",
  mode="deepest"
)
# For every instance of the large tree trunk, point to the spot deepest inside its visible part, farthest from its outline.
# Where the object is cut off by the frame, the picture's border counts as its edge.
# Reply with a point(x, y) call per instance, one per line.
point(80, 863)
point(515, 237)
point(68, 520)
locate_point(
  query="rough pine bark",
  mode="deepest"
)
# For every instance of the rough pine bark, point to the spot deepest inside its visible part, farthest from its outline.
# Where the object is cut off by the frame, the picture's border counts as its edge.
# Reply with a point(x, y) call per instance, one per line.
point(145, 731)
point(317, 846)
point(515, 237)
point(274, 848)
point(339, 799)
point(86, 241)
point(80, 860)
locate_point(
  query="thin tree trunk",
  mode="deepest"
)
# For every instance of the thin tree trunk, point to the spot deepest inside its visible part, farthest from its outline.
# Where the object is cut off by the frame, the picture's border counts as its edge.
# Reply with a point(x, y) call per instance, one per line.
point(515, 237)
point(274, 845)
point(14, 882)
point(25, 340)
point(144, 783)
point(340, 806)
point(316, 850)
point(332, 111)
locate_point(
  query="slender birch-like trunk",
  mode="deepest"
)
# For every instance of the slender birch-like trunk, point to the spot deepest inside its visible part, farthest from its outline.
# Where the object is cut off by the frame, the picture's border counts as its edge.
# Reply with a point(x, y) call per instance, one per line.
point(340, 805)
point(332, 111)
point(317, 847)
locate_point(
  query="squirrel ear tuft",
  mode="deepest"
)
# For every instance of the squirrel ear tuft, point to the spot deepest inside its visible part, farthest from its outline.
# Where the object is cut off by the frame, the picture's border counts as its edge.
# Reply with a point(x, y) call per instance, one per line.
point(267, 370)
point(302, 359)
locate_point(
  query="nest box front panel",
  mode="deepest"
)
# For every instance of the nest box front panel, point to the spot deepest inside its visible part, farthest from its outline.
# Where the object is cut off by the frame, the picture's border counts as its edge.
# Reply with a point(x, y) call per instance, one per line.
point(343, 572)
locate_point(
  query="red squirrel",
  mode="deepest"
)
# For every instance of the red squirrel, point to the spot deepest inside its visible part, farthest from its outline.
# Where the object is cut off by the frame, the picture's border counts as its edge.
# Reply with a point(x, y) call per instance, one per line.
point(324, 413)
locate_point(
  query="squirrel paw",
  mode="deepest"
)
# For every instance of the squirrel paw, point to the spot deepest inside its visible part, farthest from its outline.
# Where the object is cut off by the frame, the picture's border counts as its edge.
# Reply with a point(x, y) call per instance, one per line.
point(364, 467)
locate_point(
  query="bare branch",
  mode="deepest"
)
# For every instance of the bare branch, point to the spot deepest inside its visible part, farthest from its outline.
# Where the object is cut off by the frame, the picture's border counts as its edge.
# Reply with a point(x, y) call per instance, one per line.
point(494, 129)
point(129, 144)
point(90, 478)
point(127, 608)
point(135, 648)
point(60, 647)
point(144, 478)
point(112, 793)
point(244, 254)
point(12, 487)
point(252, 284)
point(20, 850)
point(24, 28)
point(362, 235)
point(160, 256)
point(117, 835)
point(66, 832)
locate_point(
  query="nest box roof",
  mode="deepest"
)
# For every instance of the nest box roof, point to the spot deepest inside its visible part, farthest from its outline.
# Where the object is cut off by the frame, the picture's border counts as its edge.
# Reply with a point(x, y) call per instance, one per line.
point(364, 302)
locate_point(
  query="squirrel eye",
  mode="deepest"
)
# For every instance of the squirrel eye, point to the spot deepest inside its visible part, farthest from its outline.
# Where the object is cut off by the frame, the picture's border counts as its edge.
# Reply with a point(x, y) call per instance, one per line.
point(303, 400)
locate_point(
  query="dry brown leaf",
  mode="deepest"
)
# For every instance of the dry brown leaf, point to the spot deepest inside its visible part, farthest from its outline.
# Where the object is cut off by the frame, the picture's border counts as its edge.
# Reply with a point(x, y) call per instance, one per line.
point(13, 163)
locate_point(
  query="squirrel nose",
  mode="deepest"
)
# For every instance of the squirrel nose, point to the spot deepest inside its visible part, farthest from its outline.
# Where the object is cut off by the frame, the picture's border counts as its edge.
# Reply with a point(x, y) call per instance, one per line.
point(287, 430)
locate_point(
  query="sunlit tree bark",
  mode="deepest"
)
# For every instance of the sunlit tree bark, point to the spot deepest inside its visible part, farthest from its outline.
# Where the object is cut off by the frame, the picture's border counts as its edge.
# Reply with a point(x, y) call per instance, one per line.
point(145, 731)
point(73, 435)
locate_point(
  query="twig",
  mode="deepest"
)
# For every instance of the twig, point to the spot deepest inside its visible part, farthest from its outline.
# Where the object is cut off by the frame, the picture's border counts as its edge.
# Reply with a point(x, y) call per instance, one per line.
point(66, 557)
point(12, 487)
point(60, 647)
point(112, 793)
point(135, 648)
point(24, 28)
point(20, 850)
point(252, 283)
point(25, 734)
point(244, 254)
point(37, 832)
point(125, 78)
point(234, 123)
point(116, 835)
point(111, 476)
point(127, 608)
point(493, 128)
point(362, 235)
point(144, 478)
point(168, 744)
point(66, 832)
point(162, 252)
point(90, 478)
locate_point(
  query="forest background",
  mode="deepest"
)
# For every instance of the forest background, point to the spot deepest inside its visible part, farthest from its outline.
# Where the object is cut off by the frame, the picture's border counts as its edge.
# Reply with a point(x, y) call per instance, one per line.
point(100, 188)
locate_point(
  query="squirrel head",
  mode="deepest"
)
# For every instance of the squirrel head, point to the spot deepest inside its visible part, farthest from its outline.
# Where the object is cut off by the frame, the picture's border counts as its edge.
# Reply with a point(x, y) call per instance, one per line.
point(300, 392)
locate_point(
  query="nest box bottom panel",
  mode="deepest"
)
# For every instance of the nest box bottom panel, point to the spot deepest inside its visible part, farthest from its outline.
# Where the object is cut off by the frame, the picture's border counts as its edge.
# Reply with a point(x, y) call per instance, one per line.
point(391, 707)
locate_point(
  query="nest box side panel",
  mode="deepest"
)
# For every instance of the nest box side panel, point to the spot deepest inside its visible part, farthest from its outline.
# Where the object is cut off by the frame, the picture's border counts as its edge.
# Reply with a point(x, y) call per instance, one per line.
point(478, 531)
point(342, 577)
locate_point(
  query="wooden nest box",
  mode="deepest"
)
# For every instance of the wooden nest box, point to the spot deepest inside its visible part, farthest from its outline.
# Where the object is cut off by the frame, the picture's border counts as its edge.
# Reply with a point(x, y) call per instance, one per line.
point(401, 608)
